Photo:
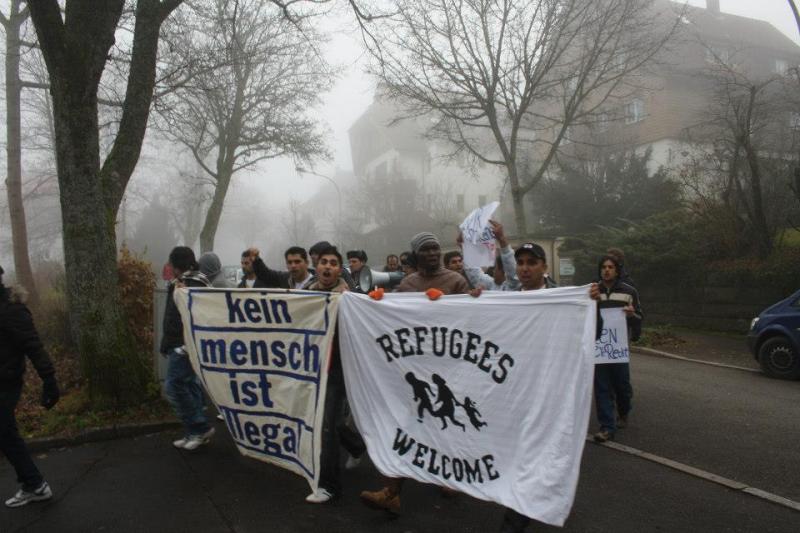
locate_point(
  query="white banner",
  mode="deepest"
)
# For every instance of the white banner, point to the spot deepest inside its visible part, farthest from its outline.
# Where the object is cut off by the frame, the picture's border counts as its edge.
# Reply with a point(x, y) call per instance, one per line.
point(487, 396)
point(262, 355)
point(478, 246)
point(612, 346)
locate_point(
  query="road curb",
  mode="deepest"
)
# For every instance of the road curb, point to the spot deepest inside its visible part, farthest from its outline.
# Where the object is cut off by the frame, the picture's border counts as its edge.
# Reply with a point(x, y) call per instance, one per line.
point(100, 434)
point(701, 474)
point(659, 353)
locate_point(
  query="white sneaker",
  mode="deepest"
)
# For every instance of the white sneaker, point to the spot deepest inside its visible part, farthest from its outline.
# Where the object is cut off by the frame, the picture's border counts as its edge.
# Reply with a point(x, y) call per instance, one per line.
point(352, 462)
point(23, 497)
point(220, 417)
point(319, 496)
point(181, 442)
point(195, 441)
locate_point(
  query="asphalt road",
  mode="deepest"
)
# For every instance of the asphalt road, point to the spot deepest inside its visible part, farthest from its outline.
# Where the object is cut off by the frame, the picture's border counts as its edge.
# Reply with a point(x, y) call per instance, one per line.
point(732, 423)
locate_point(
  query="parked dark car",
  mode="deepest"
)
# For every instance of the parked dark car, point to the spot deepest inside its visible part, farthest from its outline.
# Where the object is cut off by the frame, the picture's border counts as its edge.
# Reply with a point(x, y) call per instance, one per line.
point(774, 338)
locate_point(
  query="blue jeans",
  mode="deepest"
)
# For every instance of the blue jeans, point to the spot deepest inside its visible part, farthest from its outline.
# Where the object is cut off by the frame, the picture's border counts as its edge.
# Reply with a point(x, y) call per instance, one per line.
point(11, 443)
point(612, 382)
point(185, 394)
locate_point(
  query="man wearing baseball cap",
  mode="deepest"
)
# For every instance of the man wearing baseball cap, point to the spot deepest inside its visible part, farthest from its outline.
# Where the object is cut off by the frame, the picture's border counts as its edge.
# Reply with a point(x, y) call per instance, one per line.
point(532, 267)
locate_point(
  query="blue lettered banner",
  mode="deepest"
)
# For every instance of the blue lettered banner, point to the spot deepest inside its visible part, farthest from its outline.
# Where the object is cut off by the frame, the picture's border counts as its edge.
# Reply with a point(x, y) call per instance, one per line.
point(262, 355)
point(612, 346)
point(489, 396)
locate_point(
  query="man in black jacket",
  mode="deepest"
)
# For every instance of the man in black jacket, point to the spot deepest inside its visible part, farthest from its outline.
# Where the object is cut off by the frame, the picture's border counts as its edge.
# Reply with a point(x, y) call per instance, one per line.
point(18, 339)
point(182, 388)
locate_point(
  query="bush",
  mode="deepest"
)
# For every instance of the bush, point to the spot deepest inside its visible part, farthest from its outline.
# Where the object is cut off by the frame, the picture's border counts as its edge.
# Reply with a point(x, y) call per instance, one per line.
point(675, 247)
point(136, 285)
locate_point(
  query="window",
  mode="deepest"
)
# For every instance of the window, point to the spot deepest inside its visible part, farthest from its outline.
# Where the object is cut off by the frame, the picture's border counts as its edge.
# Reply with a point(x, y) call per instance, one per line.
point(603, 122)
point(781, 66)
point(460, 202)
point(481, 200)
point(568, 135)
point(619, 61)
point(572, 85)
point(634, 111)
point(716, 55)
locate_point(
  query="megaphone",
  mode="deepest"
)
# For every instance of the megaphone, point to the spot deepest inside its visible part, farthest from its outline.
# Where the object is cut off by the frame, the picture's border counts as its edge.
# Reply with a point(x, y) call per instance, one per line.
point(368, 278)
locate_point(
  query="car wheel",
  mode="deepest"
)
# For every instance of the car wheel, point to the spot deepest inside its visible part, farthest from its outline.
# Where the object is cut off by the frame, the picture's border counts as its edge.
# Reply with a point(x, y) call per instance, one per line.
point(779, 359)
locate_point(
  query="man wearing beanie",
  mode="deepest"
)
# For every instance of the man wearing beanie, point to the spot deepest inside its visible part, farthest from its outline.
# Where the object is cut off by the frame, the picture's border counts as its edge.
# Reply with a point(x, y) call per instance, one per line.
point(211, 267)
point(430, 273)
point(19, 339)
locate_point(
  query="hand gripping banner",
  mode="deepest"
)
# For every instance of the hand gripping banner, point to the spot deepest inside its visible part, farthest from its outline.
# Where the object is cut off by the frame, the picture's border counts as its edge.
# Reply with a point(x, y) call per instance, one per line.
point(262, 355)
point(489, 396)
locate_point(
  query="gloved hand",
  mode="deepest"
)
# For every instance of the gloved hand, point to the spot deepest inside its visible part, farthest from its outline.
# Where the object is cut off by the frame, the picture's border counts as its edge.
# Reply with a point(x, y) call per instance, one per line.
point(376, 294)
point(434, 294)
point(50, 392)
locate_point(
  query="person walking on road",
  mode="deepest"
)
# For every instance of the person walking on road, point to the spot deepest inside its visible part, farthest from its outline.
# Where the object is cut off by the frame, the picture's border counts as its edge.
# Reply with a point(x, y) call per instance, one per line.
point(612, 381)
point(181, 386)
point(19, 339)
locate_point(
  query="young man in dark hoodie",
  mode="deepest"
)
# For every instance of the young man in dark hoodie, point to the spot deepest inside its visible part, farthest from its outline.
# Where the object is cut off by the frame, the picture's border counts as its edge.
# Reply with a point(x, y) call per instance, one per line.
point(182, 388)
point(19, 339)
point(612, 381)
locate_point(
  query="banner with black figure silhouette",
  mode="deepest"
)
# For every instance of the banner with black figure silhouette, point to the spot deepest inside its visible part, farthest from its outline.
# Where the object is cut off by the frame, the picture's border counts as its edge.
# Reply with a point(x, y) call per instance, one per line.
point(262, 356)
point(489, 396)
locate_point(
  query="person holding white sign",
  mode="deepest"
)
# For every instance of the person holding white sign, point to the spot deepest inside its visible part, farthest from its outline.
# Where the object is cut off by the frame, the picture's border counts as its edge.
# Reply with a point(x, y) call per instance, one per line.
point(505, 276)
point(612, 381)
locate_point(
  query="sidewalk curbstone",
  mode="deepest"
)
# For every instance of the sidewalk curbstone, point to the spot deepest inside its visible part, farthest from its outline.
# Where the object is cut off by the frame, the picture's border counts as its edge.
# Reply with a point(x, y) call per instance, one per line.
point(659, 353)
point(101, 434)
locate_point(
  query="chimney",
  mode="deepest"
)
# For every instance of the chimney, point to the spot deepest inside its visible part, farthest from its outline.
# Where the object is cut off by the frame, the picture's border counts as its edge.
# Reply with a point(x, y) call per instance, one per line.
point(712, 6)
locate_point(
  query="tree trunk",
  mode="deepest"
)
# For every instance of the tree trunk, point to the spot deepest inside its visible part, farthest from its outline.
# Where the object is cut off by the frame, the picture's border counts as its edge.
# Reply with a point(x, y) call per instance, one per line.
point(16, 208)
point(214, 213)
point(519, 212)
point(763, 235)
point(518, 200)
point(116, 373)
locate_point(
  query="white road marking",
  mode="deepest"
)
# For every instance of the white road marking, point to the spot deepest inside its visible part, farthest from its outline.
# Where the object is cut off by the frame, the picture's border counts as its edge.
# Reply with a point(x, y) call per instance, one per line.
point(702, 474)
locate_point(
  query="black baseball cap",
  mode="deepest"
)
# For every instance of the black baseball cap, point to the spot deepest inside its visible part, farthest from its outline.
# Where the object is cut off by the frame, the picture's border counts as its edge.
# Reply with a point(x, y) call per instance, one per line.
point(530, 248)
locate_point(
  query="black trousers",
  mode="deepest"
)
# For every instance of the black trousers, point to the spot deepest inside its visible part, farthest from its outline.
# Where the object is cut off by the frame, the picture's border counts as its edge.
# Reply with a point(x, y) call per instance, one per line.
point(11, 443)
point(336, 432)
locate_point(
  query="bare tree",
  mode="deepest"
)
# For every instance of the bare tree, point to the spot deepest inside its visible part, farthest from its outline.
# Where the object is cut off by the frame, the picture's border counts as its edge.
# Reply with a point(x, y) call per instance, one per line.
point(253, 103)
point(75, 44)
point(12, 25)
point(747, 141)
point(507, 78)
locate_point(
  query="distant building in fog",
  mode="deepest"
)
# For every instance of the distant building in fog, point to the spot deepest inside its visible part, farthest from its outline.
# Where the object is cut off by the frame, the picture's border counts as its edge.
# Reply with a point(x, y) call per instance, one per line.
point(681, 92)
point(405, 182)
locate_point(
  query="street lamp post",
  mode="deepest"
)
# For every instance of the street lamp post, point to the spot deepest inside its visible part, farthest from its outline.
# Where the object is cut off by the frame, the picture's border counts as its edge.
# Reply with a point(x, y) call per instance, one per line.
point(301, 170)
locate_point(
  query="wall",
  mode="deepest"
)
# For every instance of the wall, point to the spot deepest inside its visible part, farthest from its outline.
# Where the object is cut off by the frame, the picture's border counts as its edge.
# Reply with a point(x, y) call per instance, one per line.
point(717, 308)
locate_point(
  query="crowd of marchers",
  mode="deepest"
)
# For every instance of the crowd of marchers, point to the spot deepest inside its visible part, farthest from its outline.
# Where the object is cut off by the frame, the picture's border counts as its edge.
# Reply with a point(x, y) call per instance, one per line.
point(320, 268)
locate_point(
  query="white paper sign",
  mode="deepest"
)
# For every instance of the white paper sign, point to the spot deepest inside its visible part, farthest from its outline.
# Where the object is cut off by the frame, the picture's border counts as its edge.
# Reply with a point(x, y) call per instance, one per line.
point(479, 245)
point(489, 396)
point(612, 346)
point(262, 355)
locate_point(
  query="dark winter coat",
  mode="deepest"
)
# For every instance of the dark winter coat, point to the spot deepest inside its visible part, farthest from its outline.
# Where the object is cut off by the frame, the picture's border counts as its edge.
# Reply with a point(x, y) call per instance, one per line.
point(18, 339)
point(173, 325)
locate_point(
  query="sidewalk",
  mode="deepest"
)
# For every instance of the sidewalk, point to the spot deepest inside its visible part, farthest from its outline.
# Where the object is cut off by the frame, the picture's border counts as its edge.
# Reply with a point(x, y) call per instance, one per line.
point(724, 348)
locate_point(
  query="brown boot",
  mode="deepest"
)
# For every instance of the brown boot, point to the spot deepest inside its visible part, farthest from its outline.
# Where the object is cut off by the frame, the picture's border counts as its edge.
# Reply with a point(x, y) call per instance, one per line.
point(387, 499)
